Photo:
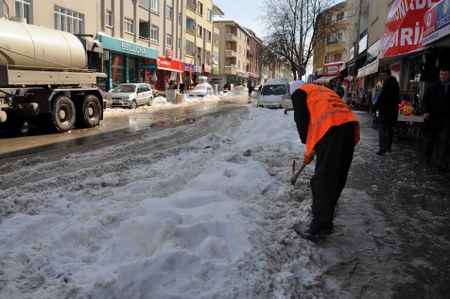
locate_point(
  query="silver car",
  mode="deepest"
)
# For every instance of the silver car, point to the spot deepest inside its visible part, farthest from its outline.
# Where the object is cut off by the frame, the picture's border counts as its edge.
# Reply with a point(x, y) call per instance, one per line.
point(131, 95)
point(202, 90)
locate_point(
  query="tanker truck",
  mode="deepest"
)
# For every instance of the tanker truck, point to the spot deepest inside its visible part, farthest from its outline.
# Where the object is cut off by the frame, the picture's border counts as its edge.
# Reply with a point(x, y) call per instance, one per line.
point(44, 80)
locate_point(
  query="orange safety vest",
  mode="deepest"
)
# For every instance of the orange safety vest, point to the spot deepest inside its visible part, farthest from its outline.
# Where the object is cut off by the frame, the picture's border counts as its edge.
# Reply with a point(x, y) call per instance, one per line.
point(326, 110)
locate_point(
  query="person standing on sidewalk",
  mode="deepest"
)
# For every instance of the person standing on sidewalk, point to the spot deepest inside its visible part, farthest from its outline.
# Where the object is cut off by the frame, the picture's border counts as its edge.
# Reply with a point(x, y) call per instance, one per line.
point(330, 131)
point(436, 113)
point(387, 106)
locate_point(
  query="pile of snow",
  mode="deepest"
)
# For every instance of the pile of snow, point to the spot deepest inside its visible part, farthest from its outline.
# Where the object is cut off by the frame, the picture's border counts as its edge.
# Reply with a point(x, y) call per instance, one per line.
point(206, 218)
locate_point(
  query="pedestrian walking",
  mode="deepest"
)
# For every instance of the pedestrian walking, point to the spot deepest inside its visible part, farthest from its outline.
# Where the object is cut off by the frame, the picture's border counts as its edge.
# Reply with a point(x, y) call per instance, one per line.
point(330, 131)
point(436, 113)
point(387, 107)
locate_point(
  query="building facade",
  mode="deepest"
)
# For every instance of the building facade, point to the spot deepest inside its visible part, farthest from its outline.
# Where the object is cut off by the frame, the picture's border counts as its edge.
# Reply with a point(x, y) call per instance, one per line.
point(149, 41)
point(331, 47)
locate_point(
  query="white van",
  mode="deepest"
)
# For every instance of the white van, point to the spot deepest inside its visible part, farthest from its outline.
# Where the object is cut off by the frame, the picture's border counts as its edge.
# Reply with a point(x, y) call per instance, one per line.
point(273, 92)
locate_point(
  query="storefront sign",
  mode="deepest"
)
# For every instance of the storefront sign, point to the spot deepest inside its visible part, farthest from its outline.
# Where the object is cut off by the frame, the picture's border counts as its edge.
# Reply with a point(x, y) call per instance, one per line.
point(333, 69)
point(122, 46)
point(437, 22)
point(404, 28)
point(206, 68)
point(216, 71)
point(189, 67)
point(169, 64)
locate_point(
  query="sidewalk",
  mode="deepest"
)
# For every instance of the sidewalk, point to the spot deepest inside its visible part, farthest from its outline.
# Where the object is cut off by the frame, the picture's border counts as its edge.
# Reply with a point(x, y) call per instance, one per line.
point(405, 206)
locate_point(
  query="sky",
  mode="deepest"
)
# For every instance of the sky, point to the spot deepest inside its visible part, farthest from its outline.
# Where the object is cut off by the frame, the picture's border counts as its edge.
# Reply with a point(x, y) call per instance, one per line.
point(246, 13)
point(210, 217)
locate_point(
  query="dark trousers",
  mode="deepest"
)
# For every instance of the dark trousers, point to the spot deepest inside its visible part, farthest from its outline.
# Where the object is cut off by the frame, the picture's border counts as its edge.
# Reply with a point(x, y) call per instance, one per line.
point(385, 136)
point(437, 140)
point(334, 154)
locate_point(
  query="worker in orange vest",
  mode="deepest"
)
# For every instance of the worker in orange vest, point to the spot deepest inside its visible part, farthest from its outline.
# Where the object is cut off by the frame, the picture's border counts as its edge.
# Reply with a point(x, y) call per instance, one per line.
point(330, 131)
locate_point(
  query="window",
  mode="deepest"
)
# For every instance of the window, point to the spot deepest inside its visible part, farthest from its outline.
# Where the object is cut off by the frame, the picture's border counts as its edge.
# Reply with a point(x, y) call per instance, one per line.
point(154, 6)
point(190, 48)
point(191, 4)
point(209, 15)
point(199, 31)
point(340, 16)
point(200, 8)
point(68, 20)
point(144, 3)
point(129, 25)
point(190, 25)
point(144, 30)
point(109, 18)
point(337, 57)
point(169, 12)
point(154, 33)
point(23, 10)
point(208, 36)
point(169, 40)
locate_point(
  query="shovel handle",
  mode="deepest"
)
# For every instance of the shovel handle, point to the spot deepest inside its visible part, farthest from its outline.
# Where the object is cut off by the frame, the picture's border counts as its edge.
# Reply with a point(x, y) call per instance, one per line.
point(295, 176)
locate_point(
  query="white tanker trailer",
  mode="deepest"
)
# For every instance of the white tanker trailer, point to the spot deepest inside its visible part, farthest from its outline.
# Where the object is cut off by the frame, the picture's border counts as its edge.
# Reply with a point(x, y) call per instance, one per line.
point(44, 80)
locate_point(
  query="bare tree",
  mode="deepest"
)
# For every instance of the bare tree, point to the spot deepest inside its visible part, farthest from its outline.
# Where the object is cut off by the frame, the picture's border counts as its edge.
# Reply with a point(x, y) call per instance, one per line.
point(291, 30)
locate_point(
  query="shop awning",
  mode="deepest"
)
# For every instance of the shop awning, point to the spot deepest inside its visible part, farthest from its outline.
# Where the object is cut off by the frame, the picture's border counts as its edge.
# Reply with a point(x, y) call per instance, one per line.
point(404, 27)
point(325, 79)
point(368, 69)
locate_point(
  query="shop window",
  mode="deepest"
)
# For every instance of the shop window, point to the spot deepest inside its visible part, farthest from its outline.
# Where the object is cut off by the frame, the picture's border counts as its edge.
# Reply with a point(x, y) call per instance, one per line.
point(117, 69)
point(24, 10)
point(68, 20)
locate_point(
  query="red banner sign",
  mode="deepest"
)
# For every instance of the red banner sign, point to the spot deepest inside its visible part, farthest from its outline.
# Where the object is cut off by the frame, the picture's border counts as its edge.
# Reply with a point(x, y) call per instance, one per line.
point(437, 22)
point(404, 28)
point(169, 64)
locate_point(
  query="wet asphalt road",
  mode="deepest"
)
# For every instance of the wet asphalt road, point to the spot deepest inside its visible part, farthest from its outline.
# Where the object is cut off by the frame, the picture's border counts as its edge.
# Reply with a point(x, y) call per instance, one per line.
point(114, 126)
point(414, 199)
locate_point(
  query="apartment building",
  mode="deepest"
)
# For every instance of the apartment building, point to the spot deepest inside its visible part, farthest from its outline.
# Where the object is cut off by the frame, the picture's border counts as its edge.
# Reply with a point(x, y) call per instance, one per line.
point(331, 48)
point(140, 40)
point(233, 52)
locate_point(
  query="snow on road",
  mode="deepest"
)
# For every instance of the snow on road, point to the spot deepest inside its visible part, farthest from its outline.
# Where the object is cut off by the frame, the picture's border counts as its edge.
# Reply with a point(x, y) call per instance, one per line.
point(209, 217)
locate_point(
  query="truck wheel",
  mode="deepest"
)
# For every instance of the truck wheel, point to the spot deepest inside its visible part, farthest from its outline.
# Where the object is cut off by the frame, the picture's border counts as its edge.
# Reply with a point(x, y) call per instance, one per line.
point(14, 121)
point(88, 115)
point(63, 113)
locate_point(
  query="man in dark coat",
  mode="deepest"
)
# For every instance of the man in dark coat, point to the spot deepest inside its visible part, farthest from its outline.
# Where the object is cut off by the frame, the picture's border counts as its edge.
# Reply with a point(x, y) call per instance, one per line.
point(387, 106)
point(436, 113)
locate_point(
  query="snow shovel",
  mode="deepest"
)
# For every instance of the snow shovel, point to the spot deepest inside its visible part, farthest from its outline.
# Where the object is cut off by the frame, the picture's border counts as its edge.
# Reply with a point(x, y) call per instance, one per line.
point(295, 175)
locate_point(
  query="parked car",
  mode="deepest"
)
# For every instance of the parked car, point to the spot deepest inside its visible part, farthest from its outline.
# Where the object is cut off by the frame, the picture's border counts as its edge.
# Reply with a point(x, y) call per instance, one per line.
point(273, 93)
point(131, 95)
point(201, 90)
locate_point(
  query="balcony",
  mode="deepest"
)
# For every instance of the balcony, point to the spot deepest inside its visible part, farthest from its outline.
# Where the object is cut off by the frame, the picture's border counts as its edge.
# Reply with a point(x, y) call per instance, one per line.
point(230, 69)
point(230, 37)
point(230, 53)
